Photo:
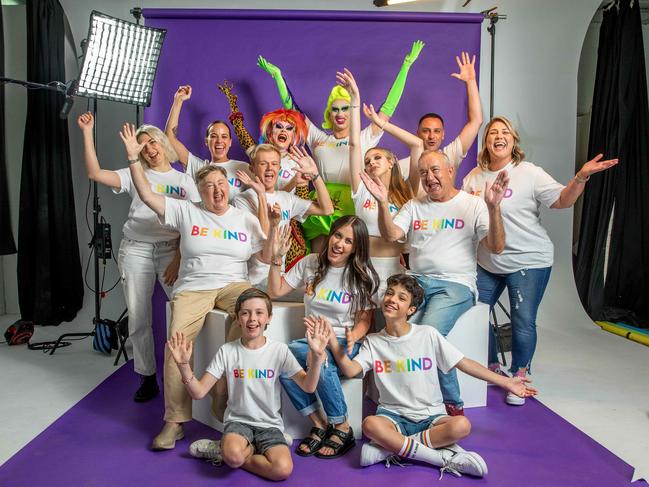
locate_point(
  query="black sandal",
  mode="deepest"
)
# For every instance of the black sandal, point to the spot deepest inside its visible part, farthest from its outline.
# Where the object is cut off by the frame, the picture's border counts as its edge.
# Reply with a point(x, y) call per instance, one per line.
point(311, 443)
point(348, 442)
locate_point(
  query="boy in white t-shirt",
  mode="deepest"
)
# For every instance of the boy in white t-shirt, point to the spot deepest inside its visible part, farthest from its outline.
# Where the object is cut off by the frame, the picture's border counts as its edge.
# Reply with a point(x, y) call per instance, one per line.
point(253, 436)
point(410, 421)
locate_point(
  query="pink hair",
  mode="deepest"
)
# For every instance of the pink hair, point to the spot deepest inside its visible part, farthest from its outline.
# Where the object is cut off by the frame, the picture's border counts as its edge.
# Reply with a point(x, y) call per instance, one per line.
point(291, 116)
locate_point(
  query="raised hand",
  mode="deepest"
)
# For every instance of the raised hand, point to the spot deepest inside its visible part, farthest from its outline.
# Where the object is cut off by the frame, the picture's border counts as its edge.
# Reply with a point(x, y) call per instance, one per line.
point(347, 81)
point(86, 121)
point(466, 66)
point(133, 147)
point(349, 336)
point(306, 165)
point(180, 348)
point(310, 323)
point(596, 165)
point(281, 242)
point(494, 192)
point(256, 184)
point(412, 56)
point(183, 93)
point(519, 386)
point(372, 116)
point(269, 67)
point(274, 213)
point(317, 336)
point(375, 186)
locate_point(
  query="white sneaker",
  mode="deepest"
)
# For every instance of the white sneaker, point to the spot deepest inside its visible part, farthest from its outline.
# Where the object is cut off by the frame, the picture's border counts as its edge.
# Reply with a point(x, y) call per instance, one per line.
point(371, 454)
point(513, 400)
point(462, 462)
point(208, 449)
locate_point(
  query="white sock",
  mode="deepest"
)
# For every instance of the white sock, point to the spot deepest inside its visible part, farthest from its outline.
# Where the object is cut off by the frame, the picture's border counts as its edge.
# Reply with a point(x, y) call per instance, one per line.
point(415, 450)
point(423, 437)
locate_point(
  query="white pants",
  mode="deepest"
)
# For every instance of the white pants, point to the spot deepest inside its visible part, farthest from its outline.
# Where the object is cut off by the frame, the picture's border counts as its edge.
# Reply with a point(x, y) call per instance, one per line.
point(140, 265)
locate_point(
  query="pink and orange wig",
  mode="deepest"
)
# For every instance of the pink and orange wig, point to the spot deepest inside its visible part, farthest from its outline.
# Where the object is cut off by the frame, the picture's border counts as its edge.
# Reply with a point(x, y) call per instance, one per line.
point(293, 117)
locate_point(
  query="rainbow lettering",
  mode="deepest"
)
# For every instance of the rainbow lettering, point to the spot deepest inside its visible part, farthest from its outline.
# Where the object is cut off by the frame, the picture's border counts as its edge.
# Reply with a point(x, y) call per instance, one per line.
point(403, 365)
point(508, 193)
point(371, 204)
point(285, 174)
point(334, 296)
point(170, 190)
point(234, 182)
point(219, 233)
point(438, 224)
point(253, 373)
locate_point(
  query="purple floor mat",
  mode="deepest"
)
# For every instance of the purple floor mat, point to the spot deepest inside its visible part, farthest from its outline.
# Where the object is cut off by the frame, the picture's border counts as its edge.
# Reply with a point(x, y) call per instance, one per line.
point(104, 439)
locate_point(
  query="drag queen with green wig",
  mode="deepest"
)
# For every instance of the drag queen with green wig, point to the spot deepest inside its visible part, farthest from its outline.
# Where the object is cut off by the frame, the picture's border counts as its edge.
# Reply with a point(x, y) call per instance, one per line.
point(331, 149)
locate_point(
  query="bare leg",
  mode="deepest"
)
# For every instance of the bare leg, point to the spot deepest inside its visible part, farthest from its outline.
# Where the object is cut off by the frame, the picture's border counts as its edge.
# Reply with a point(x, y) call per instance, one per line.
point(274, 464)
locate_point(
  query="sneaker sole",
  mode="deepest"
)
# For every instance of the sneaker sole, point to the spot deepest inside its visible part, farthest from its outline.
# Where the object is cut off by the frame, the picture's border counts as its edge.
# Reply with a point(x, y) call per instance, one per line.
point(515, 401)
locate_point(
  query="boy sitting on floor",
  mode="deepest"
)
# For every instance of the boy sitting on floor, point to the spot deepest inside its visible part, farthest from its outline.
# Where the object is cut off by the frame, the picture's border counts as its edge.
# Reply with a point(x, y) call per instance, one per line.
point(410, 420)
point(253, 436)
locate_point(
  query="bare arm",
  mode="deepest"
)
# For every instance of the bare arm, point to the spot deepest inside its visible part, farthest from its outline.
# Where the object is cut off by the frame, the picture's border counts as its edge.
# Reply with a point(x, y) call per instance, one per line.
point(262, 204)
point(516, 385)
point(493, 195)
point(181, 352)
point(470, 131)
point(154, 201)
point(103, 176)
point(279, 241)
point(171, 128)
point(308, 169)
point(349, 367)
point(389, 231)
point(317, 338)
point(347, 81)
point(576, 186)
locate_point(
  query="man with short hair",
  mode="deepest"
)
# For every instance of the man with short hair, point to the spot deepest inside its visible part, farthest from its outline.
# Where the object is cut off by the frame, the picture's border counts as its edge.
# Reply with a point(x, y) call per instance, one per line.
point(443, 230)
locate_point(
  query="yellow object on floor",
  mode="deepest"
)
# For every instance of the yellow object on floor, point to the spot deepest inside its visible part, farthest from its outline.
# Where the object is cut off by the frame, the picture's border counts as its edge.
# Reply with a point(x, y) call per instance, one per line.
point(624, 332)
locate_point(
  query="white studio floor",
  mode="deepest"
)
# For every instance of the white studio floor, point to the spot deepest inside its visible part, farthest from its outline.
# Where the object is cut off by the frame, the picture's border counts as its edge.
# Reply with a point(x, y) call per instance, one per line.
point(595, 380)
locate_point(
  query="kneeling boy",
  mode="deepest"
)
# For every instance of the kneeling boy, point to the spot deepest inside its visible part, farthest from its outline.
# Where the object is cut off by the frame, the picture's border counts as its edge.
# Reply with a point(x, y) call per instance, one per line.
point(411, 421)
point(253, 436)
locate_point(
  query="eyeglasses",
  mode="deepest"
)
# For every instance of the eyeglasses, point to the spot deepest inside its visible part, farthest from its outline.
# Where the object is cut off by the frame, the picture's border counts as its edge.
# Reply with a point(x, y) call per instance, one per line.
point(343, 109)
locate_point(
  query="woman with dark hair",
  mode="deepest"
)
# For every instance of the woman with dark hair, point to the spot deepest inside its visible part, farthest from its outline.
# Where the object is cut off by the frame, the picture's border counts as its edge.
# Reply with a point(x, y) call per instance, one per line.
point(218, 140)
point(148, 251)
point(382, 164)
point(340, 283)
point(524, 266)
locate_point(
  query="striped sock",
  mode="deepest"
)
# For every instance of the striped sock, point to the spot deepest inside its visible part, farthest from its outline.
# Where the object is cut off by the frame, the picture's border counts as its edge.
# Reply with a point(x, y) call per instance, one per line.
point(415, 450)
point(423, 437)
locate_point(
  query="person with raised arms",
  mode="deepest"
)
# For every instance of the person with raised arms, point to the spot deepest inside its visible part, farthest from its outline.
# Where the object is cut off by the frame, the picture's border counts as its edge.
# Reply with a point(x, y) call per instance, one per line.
point(410, 421)
point(443, 230)
point(216, 242)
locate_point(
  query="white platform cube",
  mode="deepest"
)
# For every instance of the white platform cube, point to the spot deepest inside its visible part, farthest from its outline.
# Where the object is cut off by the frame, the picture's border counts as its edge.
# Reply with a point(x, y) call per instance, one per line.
point(470, 335)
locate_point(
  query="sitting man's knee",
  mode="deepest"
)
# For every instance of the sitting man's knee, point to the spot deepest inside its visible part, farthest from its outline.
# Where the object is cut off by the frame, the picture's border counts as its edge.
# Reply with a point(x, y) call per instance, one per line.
point(234, 456)
point(281, 469)
point(461, 427)
point(371, 424)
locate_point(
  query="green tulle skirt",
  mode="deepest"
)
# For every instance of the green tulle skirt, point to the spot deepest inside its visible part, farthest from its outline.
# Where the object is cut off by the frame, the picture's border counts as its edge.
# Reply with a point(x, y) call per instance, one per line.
point(341, 197)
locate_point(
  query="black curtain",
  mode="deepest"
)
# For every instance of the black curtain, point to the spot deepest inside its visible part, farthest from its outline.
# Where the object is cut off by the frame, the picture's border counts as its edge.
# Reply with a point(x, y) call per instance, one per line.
point(7, 245)
point(619, 128)
point(50, 286)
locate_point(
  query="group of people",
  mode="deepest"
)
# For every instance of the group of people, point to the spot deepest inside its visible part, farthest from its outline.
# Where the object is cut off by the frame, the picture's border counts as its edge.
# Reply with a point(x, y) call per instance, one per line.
point(233, 235)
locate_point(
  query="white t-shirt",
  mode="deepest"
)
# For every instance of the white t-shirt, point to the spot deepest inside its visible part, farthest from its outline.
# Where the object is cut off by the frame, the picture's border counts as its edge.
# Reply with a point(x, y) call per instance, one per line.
point(286, 171)
point(195, 164)
point(214, 249)
point(329, 299)
point(443, 237)
point(405, 369)
point(527, 245)
point(142, 223)
point(292, 207)
point(332, 154)
point(367, 209)
point(252, 377)
point(453, 151)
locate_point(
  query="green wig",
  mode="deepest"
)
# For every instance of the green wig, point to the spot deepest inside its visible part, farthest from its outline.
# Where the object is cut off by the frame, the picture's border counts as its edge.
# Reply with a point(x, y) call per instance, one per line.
point(337, 93)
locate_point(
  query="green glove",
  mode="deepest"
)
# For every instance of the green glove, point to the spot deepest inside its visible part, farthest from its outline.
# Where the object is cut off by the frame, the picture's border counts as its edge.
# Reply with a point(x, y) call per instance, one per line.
point(276, 74)
point(392, 100)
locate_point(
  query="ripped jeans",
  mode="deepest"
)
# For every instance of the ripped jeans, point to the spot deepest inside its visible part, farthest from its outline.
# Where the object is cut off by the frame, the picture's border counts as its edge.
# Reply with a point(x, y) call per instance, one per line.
point(525, 288)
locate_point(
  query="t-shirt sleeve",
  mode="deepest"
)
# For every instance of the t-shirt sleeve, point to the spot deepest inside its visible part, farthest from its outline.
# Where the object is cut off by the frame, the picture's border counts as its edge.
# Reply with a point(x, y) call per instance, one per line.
point(195, 164)
point(125, 181)
point(364, 356)
point(482, 218)
point(403, 219)
point(368, 139)
point(217, 365)
point(257, 237)
point(243, 202)
point(289, 364)
point(546, 189)
point(173, 213)
point(192, 190)
point(295, 276)
point(447, 355)
point(314, 135)
point(299, 207)
point(454, 152)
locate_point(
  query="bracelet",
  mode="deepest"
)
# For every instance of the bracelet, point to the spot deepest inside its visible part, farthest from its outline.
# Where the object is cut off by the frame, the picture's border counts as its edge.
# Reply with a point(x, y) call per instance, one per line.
point(383, 126)
point(187, 381)
point(277, 262)
point(355, 106)
point(133, 161)
point(182, 363)
point(581, 180)
point(314, 177)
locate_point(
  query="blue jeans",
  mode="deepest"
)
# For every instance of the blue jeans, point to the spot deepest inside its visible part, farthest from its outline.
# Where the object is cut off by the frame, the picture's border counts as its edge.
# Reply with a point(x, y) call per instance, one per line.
point(525, 289)
point(329, 388)
point(444, 302)
point(406, 426)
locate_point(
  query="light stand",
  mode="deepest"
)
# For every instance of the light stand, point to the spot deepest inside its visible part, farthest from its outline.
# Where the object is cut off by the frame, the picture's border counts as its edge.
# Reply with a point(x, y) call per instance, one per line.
point(493, 17)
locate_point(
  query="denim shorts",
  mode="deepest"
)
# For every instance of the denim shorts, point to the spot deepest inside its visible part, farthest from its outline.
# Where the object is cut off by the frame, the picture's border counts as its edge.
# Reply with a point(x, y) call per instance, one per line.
point(407, 427)
point(260, 438)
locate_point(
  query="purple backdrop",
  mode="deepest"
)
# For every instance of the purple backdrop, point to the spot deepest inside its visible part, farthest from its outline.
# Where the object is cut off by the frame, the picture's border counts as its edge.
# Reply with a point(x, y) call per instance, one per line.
point(204, 47)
